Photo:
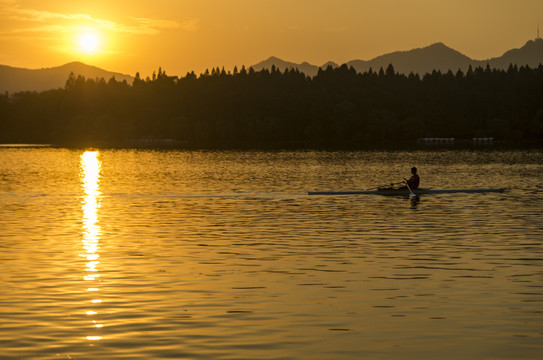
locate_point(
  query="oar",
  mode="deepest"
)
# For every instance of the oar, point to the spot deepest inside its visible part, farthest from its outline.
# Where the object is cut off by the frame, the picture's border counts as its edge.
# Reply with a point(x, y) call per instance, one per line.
point(382, 186)
point(408, 188)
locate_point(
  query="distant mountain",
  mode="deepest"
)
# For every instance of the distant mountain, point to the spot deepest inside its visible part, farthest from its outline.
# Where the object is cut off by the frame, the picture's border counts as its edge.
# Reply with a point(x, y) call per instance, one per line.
point(420, 61)
point(282, 65)
point(425, 60)
point(304, 67)
point(14, 79)
point(530, 54)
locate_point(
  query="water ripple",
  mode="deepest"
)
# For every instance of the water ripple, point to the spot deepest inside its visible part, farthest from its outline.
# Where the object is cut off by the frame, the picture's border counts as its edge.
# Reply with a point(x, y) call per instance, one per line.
point(222, 255)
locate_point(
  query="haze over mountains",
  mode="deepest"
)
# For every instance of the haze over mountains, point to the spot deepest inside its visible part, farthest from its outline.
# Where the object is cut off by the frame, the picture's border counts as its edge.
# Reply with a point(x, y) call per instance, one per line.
point(421, 61)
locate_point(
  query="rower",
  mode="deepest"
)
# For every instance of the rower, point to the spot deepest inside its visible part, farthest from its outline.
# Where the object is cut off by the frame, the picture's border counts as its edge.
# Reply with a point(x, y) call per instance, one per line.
point(414, 181)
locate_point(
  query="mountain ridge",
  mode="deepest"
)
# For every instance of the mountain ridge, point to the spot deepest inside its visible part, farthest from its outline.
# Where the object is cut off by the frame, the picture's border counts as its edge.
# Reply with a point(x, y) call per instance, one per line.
point(437, 56)
point(14, 79)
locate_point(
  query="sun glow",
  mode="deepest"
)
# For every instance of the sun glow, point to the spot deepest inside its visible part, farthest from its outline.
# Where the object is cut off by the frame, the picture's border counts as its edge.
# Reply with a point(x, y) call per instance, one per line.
point(89, 43)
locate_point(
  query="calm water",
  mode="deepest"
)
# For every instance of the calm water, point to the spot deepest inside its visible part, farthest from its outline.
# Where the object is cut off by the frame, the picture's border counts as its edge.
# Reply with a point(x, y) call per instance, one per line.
point(222, 255)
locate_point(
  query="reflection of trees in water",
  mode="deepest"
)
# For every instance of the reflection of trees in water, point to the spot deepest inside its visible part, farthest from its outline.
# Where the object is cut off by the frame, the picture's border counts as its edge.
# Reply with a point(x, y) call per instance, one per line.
point(337, 106)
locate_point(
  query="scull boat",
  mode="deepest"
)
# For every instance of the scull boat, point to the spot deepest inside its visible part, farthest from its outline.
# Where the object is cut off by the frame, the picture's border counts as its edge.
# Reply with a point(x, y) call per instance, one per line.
point(405, 192)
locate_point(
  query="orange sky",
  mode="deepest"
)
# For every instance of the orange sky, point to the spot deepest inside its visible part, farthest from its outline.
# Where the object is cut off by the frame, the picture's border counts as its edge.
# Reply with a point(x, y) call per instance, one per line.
point(185, 35)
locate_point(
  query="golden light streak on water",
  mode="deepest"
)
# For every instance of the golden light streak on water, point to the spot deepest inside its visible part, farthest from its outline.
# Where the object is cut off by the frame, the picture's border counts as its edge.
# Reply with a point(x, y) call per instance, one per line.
point(94, 338)
point(90, 182)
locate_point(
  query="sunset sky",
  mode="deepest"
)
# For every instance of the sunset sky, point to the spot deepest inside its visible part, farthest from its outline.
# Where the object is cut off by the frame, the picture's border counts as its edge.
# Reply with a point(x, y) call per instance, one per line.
point(132, 36)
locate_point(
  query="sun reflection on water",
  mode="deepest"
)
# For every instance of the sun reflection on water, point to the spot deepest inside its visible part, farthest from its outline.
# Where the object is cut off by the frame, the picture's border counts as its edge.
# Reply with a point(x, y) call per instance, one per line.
point(90, 181)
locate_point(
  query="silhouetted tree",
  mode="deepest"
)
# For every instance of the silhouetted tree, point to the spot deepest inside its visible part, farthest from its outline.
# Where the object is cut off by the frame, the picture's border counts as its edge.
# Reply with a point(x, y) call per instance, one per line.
point(337, 107)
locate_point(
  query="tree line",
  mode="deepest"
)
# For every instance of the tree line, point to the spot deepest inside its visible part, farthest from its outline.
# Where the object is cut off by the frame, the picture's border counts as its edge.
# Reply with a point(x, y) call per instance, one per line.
point(336, 108)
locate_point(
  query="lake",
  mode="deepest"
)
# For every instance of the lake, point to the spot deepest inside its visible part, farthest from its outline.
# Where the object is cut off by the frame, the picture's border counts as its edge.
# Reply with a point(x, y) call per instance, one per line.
point(132, 254)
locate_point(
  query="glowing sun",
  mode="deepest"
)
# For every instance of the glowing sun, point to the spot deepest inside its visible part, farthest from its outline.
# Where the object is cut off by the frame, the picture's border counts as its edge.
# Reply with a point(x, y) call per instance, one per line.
point(89, 43)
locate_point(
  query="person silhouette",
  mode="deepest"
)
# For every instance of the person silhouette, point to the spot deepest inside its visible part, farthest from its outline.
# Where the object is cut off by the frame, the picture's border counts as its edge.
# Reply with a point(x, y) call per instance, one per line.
point(414, 180)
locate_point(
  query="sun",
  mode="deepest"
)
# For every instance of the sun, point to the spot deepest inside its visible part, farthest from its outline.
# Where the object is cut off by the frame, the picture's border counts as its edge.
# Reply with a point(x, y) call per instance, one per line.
point(89, 43)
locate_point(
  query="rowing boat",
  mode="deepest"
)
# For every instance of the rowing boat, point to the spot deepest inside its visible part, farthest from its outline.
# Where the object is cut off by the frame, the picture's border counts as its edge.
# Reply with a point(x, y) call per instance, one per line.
point(405, 192)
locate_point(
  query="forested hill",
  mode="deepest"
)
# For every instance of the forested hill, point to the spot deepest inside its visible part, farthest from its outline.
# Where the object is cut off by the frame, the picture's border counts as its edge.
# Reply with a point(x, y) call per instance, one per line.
point(338, 107)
